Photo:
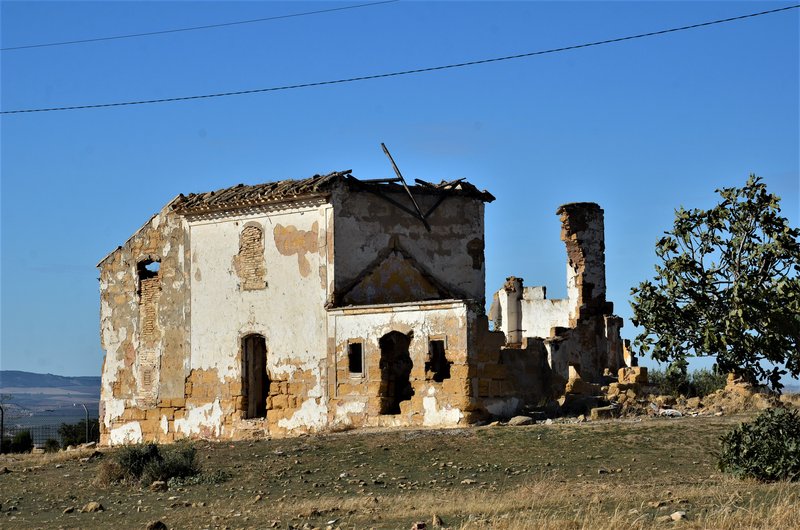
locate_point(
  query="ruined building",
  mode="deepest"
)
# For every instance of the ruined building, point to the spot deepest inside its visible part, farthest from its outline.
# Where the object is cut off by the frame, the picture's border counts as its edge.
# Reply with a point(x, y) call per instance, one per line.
point(580, 330)
point(334, 302)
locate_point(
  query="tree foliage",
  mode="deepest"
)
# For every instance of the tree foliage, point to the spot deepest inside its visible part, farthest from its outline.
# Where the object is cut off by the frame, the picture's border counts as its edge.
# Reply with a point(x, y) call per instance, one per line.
point(75, 433)
point(766, 449)
point(727, 286)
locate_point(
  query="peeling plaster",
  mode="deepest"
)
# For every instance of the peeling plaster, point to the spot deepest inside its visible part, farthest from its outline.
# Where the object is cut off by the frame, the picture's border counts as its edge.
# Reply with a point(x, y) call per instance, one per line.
point(364, 268)
point(344, 410)
point(129, 433)
point(205, 420)
point(312, 414)
point(114, 408)
point(436, 416)
point(289, 241)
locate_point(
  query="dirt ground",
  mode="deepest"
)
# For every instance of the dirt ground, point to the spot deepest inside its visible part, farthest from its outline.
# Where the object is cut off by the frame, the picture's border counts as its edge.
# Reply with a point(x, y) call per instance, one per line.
point(607, 474)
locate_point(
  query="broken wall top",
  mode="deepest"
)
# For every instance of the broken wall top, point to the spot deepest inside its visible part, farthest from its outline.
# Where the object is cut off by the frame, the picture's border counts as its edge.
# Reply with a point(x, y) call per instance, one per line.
point(244, 196)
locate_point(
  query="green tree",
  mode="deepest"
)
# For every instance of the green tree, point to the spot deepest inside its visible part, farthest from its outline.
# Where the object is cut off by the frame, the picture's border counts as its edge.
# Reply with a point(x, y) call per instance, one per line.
point(75, 433)
point(728, 286)
point(22, 442)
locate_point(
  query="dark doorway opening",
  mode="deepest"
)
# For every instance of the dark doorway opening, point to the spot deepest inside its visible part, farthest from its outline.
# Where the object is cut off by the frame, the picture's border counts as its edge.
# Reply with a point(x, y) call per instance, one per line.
point(395, 366)
point(255, 380)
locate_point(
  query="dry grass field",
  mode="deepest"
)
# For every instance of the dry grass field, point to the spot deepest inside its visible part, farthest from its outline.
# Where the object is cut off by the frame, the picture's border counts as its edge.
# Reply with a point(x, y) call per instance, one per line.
point(595, 475)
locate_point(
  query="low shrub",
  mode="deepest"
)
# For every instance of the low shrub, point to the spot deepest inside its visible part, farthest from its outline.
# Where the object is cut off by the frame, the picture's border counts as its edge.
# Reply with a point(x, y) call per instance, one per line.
point(146, 463)
point(109, 472)
point(704, 382)
point(22, 442)
point(179, 461)
point(211, 478)
point(677, 381)
point(75, 433)
point(766, 449)
point(51, 445)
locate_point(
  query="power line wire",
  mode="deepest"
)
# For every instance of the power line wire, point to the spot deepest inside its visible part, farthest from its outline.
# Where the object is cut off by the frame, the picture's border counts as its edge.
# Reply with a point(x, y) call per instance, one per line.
point(195, 28)
point(403, 72)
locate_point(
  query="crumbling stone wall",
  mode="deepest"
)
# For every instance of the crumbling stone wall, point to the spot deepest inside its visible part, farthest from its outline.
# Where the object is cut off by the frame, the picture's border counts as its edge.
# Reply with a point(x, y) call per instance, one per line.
point(144, 330)
point(452, 252)
point(356, 398)
point(485, 377)
point(505, 377)
point(288, 264)
point(578, 331)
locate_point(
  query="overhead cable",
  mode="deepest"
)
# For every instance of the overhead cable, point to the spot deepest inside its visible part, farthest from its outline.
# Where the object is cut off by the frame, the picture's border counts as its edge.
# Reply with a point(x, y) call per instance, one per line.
point(403, 72)
point(194, 28)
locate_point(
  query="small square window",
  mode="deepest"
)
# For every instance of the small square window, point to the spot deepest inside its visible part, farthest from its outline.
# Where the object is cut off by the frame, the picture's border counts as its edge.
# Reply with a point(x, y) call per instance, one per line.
point(355, 358)
point(437, 368)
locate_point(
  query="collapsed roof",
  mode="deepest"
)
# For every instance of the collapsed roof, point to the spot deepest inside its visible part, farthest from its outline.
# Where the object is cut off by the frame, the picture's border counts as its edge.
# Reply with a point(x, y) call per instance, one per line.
point(244, 195)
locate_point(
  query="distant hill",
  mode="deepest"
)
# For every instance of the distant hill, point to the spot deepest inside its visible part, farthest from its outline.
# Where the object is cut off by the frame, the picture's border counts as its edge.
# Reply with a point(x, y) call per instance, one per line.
point(26, 393)
point(18, 379)
point(793, 388)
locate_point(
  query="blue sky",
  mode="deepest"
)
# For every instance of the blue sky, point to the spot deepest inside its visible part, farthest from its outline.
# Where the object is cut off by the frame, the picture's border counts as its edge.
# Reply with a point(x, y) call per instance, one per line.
point(641, 127)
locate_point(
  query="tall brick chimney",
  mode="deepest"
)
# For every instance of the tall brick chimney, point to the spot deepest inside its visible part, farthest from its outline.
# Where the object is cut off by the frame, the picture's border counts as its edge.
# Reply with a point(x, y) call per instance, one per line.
point(582, 232)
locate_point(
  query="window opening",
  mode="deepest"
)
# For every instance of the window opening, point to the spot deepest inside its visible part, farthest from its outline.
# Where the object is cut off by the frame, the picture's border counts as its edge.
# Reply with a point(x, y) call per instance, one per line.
point(395, 365)
point(355, 358)
point(255, 379)
point(147, 270)
point(437, 367)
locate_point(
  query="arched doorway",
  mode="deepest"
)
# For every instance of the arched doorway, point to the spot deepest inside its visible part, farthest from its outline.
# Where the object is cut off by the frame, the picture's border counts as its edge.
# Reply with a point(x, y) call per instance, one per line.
point(255, 379)
point(395, 365)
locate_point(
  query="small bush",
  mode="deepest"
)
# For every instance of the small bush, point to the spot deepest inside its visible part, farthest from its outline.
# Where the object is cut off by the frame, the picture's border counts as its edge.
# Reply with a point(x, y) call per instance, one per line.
point(148, 462)
point(179, 461)
point(133, 459)
point(110, 472)
point(212, 478)
point(705, 382)
point(767, 449)
point(22, 442)
point(51, 445)
point(676, 381)
point(75, 433)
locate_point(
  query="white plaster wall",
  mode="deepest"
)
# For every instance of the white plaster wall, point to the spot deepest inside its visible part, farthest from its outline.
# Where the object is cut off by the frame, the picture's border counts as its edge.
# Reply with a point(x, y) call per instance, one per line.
point(426, 319)
point(365, 223)
point(289, 312)
point(540, 316)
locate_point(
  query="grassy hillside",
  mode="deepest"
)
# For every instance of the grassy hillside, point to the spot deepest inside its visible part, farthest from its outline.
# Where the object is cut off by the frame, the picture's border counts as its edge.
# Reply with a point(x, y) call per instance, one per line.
point(621, 474)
